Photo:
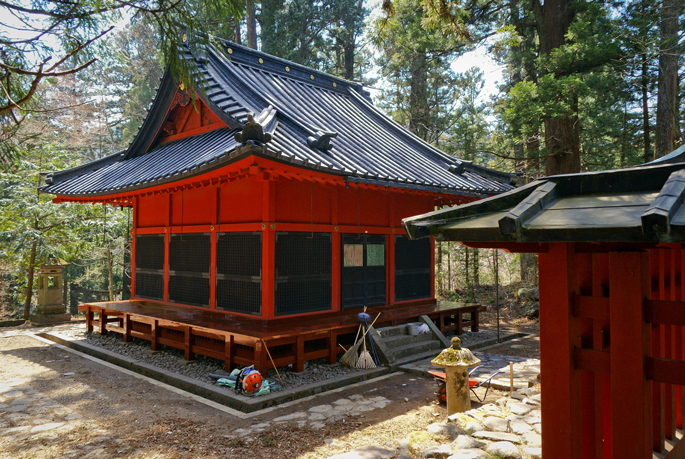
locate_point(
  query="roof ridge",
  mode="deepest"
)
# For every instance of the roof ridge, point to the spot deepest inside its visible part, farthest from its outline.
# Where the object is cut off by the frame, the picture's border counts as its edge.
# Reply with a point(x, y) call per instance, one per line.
point(267, 62)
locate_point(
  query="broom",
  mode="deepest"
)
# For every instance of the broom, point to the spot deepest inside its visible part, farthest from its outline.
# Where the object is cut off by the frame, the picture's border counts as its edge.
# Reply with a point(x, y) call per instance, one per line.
point(365, 361)
point(350, 356)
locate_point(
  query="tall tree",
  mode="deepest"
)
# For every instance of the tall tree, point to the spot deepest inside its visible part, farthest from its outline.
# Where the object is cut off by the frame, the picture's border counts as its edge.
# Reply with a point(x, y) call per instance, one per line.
point(666, 112)
point(416, 62)
point(49, 38)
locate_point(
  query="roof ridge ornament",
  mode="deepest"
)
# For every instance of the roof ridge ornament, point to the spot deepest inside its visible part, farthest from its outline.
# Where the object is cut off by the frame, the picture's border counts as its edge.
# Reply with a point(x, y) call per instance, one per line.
point(252, 133)
point(321, 140)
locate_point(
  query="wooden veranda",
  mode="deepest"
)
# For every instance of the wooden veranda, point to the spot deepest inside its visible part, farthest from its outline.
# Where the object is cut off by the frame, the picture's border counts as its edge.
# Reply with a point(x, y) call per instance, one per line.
point(240, 341)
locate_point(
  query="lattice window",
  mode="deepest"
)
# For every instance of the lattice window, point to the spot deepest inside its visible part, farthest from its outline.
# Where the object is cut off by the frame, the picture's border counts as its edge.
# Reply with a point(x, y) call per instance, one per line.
point(189, 266)
point(149, 258)
point(303, 272)
point(363, 275)
point(412, 268)
point(239, 272)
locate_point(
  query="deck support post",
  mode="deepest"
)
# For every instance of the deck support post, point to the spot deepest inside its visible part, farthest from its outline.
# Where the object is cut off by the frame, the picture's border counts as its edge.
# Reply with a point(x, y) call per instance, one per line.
point(559, 334)
point(154, 333)
point(474, 321)
point(103, 322)
point(188, 351)
point(260, 357)
point(228, 352)
point(127, 327)
point(630, 345)
point(89, 319)
point(332, 347)
point(299, 356)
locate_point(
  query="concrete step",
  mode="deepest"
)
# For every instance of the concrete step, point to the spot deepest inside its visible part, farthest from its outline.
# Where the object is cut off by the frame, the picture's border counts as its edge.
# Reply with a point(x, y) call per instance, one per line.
point(430, 354)
point(402, 340)
point(395, 330)
point(417, 348)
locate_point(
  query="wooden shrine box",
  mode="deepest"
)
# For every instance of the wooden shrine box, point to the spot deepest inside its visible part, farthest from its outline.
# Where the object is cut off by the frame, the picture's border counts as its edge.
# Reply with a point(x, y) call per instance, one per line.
point(612, 303)
point(252, 227)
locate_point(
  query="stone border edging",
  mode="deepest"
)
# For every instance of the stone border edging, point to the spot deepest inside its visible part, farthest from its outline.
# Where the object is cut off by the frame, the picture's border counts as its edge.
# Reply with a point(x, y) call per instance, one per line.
point(225, 397)
point(12, 323)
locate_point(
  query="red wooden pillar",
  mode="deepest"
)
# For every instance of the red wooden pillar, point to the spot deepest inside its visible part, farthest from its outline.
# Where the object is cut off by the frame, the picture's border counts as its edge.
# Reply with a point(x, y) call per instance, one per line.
point(390, 259)
point(268, 273)
point(561, 403)
point(167, 235)
point(268, 249)
point(134, 224)
point(630, 344)
point(600, 333)
point(336, 268)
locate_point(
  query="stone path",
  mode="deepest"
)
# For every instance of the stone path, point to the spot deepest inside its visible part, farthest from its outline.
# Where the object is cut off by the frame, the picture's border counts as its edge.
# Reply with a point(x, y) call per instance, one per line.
point(27, 414)
point(318, 416)
point(507, 429)
point(526, 370)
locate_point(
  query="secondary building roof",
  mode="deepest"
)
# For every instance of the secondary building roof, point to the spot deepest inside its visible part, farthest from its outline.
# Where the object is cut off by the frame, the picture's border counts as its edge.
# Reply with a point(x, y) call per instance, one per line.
point(642, 204)
point(316, 121)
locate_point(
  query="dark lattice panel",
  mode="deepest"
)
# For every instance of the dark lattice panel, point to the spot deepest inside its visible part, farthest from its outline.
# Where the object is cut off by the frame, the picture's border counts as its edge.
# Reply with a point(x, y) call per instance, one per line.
point(239, 254)
point(150, 285)
point(412, 254)
point(303, 273)
point(412, 268)
point(189, 290)
point(239, 296)
point(300, 254)
point(412, 286)
point(150, 251)
point(295, 297)
point(190, 252)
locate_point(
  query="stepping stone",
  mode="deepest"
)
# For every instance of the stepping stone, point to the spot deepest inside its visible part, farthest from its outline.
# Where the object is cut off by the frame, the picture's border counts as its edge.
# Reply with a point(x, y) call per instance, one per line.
point(466, 442)
point(473, 427)
point(437, 452)
point(532, 439)
point(290, 417)
point(534, 453)
point(471, 453)
point(519, 427)
point(316, 417)
point(343, 401)
point(520, 409)
point(45, 427)
point(496, 424)
point(497, 436)
point(445, 430)
point(504, 450)
point(366, 452)
point(320, 409)
point(317, 425)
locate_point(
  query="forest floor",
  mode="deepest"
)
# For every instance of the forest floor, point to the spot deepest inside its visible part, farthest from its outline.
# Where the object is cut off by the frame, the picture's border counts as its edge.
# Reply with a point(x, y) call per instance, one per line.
point(55, 403)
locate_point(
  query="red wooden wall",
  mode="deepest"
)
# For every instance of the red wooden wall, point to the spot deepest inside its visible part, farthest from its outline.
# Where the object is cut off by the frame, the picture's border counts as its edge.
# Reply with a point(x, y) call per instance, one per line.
point(282, 200)
point(611, 349)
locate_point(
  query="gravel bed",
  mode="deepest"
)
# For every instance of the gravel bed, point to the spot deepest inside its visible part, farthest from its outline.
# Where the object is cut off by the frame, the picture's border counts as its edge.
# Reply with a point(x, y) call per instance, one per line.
point(171, 359)
point(469, 337)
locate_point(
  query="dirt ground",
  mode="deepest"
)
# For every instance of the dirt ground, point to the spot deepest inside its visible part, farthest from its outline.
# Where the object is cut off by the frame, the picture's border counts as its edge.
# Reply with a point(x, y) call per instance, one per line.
point(102, 412)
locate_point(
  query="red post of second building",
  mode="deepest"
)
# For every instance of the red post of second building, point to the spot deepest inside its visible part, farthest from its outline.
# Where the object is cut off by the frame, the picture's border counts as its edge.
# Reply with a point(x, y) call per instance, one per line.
point(559, 334)
point(630, 344)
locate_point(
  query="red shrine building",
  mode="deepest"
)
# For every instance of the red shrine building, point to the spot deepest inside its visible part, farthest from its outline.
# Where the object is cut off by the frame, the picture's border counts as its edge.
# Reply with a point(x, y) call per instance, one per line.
point(612, 302)
point(267, 206)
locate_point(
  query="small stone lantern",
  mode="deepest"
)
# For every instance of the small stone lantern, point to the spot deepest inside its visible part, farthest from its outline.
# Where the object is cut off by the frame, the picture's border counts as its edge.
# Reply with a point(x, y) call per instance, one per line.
point(457, 361)
point(51, 307)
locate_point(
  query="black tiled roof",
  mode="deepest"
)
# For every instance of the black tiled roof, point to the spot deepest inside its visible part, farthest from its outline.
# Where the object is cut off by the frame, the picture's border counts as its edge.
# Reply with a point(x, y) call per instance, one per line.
point(642, 204)
point(296, 103)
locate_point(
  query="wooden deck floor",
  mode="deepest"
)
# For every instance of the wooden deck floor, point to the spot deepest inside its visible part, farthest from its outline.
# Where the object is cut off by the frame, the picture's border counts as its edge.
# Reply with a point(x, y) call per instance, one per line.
point(241, 340)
